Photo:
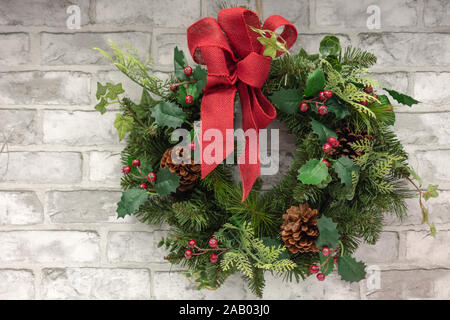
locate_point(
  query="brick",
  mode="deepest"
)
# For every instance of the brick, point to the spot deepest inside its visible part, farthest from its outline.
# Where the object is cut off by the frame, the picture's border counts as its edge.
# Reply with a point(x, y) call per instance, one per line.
point(427, 250)
point(214, 6)
point(165, 46)
point(433, 167)
point(436, 13)
point(36, 87)
point(296, 11)
point(351, 14)
point(175, 13)
point(385, 250)
point(49, 246)
point(95, 284)
point(393, 80)
point(175, 286)
point(412, 284)
point(77, 48)
point(407, 49)
point(135, 247)
point(20, 208)
point(105, 166)
point(19, 127)
point(41, 12)
point(14, 49)
point(79, 128)
point(97, 206)
point(430, 87)
point(423, 128)
point(439, 209)
point(132, 89)
point(41, 167)
point(16, 284)
point(311, 42)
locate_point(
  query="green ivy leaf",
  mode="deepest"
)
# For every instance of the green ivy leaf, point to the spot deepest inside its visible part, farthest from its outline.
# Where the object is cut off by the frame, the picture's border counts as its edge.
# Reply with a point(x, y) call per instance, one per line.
point(431, 192)
point(180, 62)
point(330, 46)
point(315, 83)
point(131, 201)
point(114, 90)
point(339, 109)
point(101, 90)
point(351, 270)
point(344, 166)
point(200, 75)
point(322, 131)
point(123, 124)
point(166, 182)
point(168, 114)
point(313, 172)
point(328, 233)
point(402, 98)
point(287, 100)
point(414, 175)
point(101, 106)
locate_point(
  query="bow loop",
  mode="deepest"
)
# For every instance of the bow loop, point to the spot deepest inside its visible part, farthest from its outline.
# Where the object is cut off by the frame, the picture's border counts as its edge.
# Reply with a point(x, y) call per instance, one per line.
point(253, 69)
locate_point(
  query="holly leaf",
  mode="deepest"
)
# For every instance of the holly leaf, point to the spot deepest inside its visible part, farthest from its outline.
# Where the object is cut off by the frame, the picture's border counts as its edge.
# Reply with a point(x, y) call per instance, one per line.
point(315, 83)
point(114, 90)
point(327, 264)
point(200, 75)
point(344, 166)
point(182, 93)
point(101, 106)
point(351, 270)
point(340, 110)
point(287, 100)
point(330, 46)
point(431, 192)
point(322, 131)
point(166, 182)
point(131, 201)
point(101, 90)
point(328, 234)
point(402, 98)
point(123, 124)
point(168, 114)
point(313, 172)
point(180, 62)
point(145, 167)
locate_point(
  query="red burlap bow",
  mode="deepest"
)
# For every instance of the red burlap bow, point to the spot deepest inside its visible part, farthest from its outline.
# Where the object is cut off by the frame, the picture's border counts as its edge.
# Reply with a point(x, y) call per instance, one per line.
point(233, 56)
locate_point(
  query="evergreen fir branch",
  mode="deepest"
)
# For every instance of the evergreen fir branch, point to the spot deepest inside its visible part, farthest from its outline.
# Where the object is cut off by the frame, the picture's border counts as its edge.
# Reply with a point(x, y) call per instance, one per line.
point(357, 57)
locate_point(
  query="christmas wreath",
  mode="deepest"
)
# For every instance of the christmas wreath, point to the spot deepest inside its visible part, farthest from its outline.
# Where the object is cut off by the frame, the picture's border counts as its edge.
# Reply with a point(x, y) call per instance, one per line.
point(349, 168)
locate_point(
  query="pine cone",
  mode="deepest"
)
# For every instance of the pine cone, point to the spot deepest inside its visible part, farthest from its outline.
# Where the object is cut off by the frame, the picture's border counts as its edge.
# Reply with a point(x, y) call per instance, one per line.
point(189, 172)
point(299, 230)
point(346, 137)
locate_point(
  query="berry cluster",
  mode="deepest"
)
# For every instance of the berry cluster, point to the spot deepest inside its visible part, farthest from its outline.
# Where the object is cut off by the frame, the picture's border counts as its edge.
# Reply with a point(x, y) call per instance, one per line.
point(213, 244)
point(326, 252)
point(368, 90)
point(320, 105)
point(330, 146)
point(150, 177)
point(189, 99)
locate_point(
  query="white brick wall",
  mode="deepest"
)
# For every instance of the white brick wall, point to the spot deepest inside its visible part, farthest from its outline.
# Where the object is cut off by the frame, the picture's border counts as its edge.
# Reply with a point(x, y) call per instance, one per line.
point(59, 238)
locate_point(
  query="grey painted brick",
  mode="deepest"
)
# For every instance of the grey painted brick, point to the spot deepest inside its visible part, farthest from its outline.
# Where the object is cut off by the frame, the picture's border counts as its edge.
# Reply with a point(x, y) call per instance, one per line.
point(408, 49)
point(214, 6)
point(105, 167)
point(351, 14)
point(95, 284)
point(393, 80)
point(413, 284)
point(49, 246)
point(433, 166)
point(77, 48)
point(311, 42)
point(16, 284)
point(14, 49)
point(165, 47)
point(135, 247)
point(385, 250)
point(20, 208)
point(53, 87)
point(428, 250)
point(430, 87)
point(175, 13)
point(96, 206)
point(79, 128)
point(41, 167)
point(296, 11)
point(436, 13)
point(19, 127)
point(40, 12)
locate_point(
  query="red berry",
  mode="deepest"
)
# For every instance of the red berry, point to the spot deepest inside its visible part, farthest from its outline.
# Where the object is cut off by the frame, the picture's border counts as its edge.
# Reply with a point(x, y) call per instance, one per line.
point(375, 96)
point(320, 277)
point(192, 243)
point(326, 162)
point(304, 107)
point(314, 268)
point(322, 96)
point(151, 177)
point(322, 110)
point(327, 148)
point(172, 87)
point(143, 185)
point(333, 141)
point(136, 163)
point(188, 254)
point(335, 260)
point(213, 258)
point(368, 89)
point(212, 242)
point(328, 94)
point(192, 146)
point(126, 169)
point(325, 251)
point(188, 71)
point(189, 99)
point(364, 102)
